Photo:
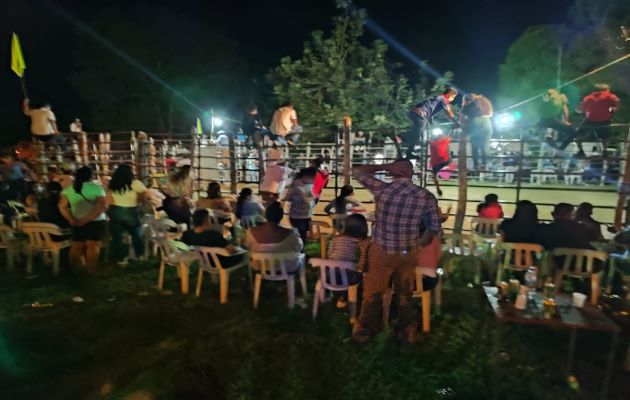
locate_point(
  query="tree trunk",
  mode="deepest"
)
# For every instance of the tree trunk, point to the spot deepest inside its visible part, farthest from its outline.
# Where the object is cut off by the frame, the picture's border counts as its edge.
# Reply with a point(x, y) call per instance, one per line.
point(462, 184)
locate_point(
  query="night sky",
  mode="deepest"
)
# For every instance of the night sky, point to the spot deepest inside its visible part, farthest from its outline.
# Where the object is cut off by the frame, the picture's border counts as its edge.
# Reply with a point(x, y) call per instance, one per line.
point(468, 37)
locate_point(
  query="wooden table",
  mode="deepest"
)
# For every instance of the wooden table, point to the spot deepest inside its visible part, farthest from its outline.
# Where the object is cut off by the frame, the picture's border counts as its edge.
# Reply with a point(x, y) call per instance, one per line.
point(587, 318)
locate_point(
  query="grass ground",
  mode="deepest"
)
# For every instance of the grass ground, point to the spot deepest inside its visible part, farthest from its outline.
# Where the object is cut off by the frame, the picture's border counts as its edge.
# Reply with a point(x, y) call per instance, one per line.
point(128, 340)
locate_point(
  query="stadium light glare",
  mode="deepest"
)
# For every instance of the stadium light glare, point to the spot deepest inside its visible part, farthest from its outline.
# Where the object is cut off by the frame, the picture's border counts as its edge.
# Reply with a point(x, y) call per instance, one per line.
point(504, 121)
point(217, 122)
point(437, 132)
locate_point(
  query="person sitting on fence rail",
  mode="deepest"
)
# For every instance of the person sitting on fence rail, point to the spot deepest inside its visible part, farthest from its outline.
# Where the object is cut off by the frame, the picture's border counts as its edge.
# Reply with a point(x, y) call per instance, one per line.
point(43, 121)
point(284, 125)
point(300, 196)
point(554, 115)
point(270, 237)
point(523, 226)
point(341, 205)
point(422, 115)
point(490, 208)
point(202, 235)
point(401, 207)
point(125, 194)
point(83, 204)
point(598, 109)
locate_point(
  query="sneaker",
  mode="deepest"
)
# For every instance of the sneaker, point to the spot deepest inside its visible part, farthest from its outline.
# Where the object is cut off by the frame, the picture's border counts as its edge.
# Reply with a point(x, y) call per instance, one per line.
point(123, 263)
point(439, 192)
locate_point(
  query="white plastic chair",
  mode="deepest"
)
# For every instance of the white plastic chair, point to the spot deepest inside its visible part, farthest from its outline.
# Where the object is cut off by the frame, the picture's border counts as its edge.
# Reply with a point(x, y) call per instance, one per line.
point(319, 228)
point(155, 230)
point(20, 213)
point(461, 246)
point(40, 241)
point(333, 276)
point(578, 263)
point(171, 256)
point(210, 262)
point(486, 230)
point(273, 267)
point(518, 257)
point(9, 243)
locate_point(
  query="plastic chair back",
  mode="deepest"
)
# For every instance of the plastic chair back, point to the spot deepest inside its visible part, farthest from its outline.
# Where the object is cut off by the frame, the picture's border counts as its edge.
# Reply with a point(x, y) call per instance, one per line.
point(333, 274)
point(520, 256)
point(6, 236)
point(578, 262)
point(273, 266)
point(39, 234)
point(485, 227)
point(209, 258)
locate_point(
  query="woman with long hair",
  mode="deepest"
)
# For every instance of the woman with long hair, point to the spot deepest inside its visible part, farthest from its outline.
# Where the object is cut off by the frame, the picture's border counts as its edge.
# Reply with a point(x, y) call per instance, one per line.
point(247, 207)
point(523, 226)
point(214, 199)
point(83, 205)
point(339, 206)
point(178, 190)
point(124, 196)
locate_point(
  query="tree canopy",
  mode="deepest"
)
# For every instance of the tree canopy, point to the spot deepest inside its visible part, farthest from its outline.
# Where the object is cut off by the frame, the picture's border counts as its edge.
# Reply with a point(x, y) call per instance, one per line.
point(337, 75)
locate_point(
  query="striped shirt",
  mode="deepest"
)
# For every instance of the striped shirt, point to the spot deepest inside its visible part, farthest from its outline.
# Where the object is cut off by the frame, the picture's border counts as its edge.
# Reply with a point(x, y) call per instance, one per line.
point(301, 198)
point(401, 207)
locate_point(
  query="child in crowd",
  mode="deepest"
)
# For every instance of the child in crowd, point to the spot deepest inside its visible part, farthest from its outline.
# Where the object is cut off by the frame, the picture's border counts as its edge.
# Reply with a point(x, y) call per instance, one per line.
point(490, 208)
point(341, 205)
point(352, 246)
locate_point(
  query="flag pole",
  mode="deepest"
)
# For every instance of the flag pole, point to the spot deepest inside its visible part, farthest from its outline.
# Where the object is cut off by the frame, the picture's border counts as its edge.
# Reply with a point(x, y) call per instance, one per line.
point(23, 82)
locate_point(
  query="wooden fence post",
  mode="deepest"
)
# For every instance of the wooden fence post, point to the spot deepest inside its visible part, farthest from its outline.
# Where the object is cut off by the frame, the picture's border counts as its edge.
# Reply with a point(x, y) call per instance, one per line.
point(347, 126)
point(462, 183)
point(624, 188)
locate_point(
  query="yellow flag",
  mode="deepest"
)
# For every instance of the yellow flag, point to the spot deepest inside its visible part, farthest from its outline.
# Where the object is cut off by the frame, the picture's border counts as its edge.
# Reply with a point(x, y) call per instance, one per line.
point(199, 130)
point(17, 59)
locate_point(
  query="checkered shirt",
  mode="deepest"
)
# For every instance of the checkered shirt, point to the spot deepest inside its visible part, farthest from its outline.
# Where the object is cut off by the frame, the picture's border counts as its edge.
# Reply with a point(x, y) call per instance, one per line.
point(401, 207)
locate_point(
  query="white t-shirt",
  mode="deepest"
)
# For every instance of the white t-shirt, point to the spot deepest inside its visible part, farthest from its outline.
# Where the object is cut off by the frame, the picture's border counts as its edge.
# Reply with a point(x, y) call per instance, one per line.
point(82, 204)
point(130, 197)
point(76, 128)
point(275, 179)
point(281, 121)
point(40, 121)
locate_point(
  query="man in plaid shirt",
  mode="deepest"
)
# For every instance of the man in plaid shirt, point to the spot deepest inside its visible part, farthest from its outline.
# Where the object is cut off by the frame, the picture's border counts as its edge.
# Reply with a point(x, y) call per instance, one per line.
point(401, 209)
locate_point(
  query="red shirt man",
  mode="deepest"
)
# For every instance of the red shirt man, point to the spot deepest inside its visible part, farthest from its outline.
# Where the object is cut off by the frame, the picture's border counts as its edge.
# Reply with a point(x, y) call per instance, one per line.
point(599, 106)
point(440, 154)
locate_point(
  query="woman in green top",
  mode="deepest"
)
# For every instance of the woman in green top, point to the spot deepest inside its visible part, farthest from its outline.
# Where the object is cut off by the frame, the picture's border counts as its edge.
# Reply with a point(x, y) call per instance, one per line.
point(83, 204)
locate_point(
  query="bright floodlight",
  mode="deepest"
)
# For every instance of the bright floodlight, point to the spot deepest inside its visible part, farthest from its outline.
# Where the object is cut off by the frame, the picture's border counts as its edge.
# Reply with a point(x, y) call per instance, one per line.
point(504, 121)
point(437, 132)
point(217, 122)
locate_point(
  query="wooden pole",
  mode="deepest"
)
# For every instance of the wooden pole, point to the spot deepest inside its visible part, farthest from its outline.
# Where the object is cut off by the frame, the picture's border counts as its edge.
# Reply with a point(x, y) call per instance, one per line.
point(347, 126)
point(624, 187)
point(462, 184)
point(232, 166)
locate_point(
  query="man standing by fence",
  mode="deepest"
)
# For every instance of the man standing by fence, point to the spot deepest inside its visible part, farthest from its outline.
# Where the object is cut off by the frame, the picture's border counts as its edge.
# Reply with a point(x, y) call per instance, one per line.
point(401, 207)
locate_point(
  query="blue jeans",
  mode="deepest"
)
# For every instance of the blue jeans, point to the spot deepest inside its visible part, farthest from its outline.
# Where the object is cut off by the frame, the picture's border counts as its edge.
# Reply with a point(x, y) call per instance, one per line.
point(418, 124)
point(125, 220)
